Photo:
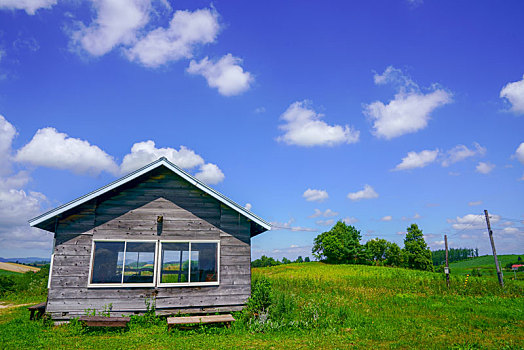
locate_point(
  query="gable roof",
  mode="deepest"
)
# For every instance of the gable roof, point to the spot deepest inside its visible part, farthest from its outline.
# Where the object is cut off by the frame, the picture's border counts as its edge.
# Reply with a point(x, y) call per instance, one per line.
point(37, 221)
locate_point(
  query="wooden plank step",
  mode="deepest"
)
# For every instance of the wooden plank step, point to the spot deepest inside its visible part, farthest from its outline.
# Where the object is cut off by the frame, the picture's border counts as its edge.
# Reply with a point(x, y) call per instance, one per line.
point(101, 321)
point(171, 321)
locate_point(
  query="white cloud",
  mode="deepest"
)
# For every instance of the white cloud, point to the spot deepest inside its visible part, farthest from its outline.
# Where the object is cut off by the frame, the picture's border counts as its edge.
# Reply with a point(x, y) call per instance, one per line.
point(17, 205)
point(226, 74)
point(30, 6)
point(367, 193)
point(50, 148)
point(519, 153)
point(475, 203)
point(410, 109)
point(186, 30)
point(416, 216)
point(472, 221)
point(461, 152)
point(350, 220)
point(511, 230)
point(248, 206)
point(327, 213)
point(315, 195)
point(514, 93)
point(143, 153)
point(484, 167)
point(117, 22)
point(417, 160)
point(328, 222)
point(210, 174)
point(289, 226)
point(304, 127)
point(7, 134)
point(387, 218)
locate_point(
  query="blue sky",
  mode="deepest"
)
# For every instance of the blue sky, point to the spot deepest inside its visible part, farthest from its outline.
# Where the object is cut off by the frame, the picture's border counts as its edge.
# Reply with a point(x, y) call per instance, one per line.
point(379, 113)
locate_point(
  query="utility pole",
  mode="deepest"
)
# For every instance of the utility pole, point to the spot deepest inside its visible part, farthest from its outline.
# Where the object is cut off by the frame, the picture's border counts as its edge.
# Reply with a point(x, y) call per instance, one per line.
point(499, 273)
point(446, 269)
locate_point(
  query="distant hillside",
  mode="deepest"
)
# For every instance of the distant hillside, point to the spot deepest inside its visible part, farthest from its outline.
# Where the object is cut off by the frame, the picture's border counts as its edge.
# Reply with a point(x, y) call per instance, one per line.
point(29, 260)
point(8, 266)
point(485, 264)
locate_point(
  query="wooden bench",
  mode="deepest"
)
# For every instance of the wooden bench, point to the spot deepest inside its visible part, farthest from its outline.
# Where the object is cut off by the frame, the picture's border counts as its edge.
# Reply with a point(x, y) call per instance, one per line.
point(101, 321)
point(227, 319)
point(39, 309)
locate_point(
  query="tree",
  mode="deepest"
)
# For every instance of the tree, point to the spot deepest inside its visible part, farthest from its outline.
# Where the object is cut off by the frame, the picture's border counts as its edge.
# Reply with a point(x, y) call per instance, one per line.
point(339, 245)
point(299, 259)
point(416, 252)
point(264, 261)
point(306, 259)
point(377, 250)
point(286, 260)
point(393, 254)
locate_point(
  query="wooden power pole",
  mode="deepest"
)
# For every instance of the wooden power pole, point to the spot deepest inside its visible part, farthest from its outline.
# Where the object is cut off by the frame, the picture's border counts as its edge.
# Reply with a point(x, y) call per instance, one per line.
point(497, 266)
point(446, 269)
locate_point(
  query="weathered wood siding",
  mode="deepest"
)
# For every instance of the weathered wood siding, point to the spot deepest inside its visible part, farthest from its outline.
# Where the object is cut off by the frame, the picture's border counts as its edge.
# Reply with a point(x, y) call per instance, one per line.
point(131, 213)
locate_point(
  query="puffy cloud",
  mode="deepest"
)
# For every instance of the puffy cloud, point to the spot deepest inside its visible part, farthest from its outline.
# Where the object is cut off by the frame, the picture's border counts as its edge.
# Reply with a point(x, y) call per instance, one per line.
point(414, 217)
point(226, 74)
point(484, 167)
point(117, 22)
point(276, 225)
point(17, 205)
point(387, 218)
point(367, 193)
point(304, 127)
point(143, 153)
point(461, 152)
point(210, 174)
point(417, 160)
point(511, 230)
point(30, 6)
point(328, 222)
point(50, 148)
point(350, 220)
point(472, 221)
point(519, 153)
point(475, 203)
point(315, 195)
point(410, 109)
point(7, 134)
point(327, 213)
point(514, 93)
point(186, 30)
point(248, 206)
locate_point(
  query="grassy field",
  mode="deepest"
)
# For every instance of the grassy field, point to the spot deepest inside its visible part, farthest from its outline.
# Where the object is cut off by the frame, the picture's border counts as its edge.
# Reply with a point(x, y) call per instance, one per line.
point(321, 306)
point(486, 265)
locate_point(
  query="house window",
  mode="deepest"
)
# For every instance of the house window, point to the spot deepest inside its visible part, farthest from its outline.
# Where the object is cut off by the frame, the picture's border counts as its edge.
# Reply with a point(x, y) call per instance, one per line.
point(188, 263)
point(136, 263)
point(123, 263)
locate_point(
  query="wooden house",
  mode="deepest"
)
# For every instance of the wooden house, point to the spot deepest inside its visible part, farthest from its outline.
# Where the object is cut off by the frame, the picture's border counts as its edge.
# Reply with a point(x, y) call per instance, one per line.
point(157, 235)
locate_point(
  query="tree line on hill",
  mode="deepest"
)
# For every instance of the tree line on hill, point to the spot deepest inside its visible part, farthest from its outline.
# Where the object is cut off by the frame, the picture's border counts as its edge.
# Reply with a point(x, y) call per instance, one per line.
point(454, 254)
point(265, 261)
point(341, 245)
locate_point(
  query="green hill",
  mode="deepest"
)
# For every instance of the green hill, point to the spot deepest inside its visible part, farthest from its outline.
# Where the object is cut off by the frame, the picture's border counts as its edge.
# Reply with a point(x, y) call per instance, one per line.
point(486, 265)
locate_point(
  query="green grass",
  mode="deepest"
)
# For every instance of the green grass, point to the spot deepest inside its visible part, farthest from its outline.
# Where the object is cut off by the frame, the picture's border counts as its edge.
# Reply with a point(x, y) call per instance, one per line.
point(325, 307)
point(9, 273)
point(486, 265)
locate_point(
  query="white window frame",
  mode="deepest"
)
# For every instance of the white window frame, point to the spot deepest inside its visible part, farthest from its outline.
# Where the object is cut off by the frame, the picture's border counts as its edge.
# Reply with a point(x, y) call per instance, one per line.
point(50, 271)
point(120, 285)
point(189, 283)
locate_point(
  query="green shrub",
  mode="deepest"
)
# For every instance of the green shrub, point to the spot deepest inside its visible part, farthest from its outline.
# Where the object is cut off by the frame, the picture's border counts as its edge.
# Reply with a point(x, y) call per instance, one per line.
point(260, 299)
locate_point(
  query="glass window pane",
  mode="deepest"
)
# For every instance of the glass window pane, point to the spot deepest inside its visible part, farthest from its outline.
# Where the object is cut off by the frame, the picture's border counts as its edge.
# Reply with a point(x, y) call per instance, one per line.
point(175, 263)
point(204, 262)
point(107, 263)
point(140, 262)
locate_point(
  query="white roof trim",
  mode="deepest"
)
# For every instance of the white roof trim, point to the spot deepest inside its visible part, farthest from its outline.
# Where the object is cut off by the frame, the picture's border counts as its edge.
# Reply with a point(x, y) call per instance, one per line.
point(161, 161)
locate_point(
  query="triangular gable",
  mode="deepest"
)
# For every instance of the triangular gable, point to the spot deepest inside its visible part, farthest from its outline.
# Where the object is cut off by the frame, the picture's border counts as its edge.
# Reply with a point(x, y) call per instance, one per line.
point(40, 221)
